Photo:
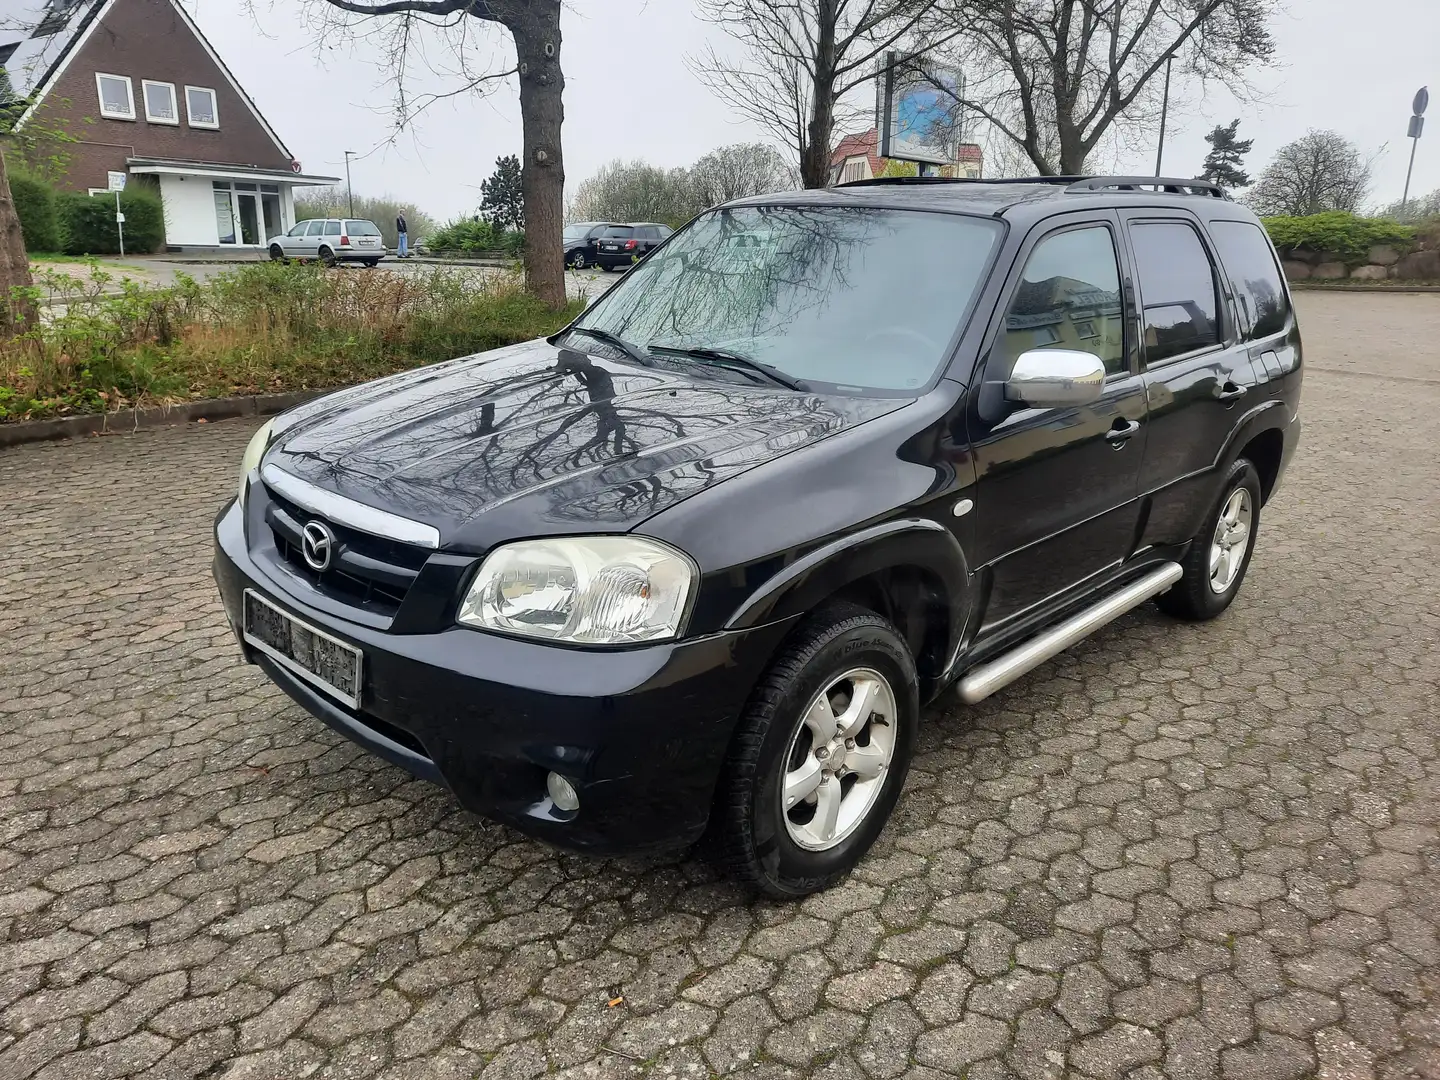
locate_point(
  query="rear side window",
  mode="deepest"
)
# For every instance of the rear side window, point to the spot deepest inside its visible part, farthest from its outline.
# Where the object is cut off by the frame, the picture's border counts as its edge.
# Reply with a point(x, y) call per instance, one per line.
point(1069, 298)
point(1255, 277)
point(649, 232)
point(332, 228)
point(1177, 288)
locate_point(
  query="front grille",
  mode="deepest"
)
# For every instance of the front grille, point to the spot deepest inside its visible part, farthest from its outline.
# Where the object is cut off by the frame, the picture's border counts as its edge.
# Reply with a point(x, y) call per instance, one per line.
point(368, 571)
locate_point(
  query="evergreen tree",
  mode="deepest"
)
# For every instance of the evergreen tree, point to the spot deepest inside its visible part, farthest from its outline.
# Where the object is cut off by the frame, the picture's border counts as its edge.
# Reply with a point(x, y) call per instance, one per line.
point(1222, 164)
point(501, 201)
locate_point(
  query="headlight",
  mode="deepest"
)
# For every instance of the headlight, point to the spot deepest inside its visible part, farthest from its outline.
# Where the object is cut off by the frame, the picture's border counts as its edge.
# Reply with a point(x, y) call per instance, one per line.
point(259, 443)
point(596, 590)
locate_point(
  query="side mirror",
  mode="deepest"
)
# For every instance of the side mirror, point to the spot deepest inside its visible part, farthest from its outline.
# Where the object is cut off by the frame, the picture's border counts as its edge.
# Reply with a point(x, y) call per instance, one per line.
point(1056, 378)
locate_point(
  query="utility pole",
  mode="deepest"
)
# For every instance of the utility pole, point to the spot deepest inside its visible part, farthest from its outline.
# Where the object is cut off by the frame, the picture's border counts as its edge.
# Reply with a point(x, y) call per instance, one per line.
point(349, 190)
point(1164, 114)
point(1417, 127)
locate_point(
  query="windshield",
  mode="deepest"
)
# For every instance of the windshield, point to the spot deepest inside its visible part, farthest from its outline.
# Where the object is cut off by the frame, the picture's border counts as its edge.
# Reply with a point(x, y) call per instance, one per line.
point(849, 297)
point(361, 228)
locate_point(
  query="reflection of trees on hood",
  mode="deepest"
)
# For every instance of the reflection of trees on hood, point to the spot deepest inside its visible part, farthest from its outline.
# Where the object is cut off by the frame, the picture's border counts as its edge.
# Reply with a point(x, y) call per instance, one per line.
point(747, 272)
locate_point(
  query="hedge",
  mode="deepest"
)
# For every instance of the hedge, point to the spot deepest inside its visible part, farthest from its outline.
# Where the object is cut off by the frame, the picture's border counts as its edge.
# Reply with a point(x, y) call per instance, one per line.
point(1338, 233)
point(471, 235)
point(35, 207)
point(87, 223)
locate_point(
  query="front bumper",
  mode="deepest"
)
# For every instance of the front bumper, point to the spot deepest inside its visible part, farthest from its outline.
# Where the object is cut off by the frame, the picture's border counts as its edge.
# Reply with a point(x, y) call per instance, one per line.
point(640, 733)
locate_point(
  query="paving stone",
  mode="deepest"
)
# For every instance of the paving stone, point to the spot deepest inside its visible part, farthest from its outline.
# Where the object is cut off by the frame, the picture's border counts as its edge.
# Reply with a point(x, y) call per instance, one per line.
point(1175, 850)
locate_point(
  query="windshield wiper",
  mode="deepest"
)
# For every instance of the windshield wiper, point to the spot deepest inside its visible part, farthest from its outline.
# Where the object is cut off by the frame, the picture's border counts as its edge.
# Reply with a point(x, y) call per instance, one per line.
point(726, 358)
point(628, 348)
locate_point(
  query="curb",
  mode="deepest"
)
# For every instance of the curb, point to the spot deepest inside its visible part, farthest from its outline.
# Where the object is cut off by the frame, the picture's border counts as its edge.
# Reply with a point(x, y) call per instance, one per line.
point(1305, 286)
point(127, 420)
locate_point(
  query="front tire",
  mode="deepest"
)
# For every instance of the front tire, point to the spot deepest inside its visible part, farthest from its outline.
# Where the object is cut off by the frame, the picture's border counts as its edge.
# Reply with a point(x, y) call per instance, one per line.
point(577, 261)
point(277, 254)
point(1220, 554)
point(819, 757)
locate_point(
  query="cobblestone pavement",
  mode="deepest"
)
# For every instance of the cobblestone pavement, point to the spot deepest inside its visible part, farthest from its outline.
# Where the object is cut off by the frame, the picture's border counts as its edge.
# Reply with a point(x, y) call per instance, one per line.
point(1181, 851)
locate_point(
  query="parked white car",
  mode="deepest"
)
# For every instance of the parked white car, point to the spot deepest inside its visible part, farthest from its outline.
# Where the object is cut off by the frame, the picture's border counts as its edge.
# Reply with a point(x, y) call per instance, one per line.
point(331, 240)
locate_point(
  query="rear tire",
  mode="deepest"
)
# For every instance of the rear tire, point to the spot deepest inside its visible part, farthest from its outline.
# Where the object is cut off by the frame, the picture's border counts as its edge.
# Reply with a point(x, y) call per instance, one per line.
point(798, 803)
point(327, 256)
point(1220, 554)
point(370, 264)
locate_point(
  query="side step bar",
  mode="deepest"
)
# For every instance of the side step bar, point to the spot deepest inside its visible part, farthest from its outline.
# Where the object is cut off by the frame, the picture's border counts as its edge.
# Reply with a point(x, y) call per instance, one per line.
point(981, 682)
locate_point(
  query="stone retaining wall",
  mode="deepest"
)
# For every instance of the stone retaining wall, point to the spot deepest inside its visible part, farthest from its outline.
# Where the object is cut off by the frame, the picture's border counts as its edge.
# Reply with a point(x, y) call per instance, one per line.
point(1382, 263)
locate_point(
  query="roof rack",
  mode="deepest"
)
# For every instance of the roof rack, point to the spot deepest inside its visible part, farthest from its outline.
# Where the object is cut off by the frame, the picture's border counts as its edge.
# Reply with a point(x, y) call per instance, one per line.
point(1169, 184)
point(879, 181)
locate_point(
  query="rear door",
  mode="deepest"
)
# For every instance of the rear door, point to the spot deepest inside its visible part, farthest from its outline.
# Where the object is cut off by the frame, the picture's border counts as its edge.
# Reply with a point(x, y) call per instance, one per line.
point(1198, 374)
point(1057, 495)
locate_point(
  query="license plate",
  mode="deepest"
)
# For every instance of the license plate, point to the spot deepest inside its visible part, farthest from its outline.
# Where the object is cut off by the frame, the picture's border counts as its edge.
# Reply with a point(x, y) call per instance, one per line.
point(312, 654)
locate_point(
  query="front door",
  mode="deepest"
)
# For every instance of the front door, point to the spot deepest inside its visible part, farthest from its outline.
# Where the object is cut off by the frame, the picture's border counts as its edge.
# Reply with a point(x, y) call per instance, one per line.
point(249, 216)
point(1057, 492)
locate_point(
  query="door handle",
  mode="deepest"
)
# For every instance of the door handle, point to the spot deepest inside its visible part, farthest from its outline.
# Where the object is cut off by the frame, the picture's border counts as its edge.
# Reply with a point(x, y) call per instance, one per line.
point(1230, 391)
point(1121, 432)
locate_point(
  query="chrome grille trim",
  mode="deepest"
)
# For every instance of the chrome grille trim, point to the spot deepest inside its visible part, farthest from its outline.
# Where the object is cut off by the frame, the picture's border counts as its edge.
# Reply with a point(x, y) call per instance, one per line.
point(348, 512)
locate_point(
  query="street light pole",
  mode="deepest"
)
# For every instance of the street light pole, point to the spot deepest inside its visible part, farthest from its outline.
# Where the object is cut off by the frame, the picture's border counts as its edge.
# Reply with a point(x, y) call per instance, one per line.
point(1164, 113)
point(349, 190)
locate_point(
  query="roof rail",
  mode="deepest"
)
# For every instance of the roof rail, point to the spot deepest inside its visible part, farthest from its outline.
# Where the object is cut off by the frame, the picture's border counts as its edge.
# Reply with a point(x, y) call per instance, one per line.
point(877, 181)
point(1169, 184)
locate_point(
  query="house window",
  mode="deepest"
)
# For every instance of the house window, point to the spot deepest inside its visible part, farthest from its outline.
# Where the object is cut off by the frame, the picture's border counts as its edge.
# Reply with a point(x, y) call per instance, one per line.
point(160, 107)
point(200, 106)
point(117, 97)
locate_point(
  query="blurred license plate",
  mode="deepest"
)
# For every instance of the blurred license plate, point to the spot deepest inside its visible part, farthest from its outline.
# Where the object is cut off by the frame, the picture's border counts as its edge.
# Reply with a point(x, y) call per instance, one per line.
point(314, 655)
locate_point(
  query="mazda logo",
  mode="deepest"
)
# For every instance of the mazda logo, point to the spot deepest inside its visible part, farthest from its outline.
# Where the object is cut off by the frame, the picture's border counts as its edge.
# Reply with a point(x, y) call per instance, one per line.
point(317, 545)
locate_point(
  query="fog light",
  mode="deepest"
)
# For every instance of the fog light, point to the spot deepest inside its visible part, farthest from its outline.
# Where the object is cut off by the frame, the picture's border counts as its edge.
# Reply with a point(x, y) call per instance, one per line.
point(561, 793)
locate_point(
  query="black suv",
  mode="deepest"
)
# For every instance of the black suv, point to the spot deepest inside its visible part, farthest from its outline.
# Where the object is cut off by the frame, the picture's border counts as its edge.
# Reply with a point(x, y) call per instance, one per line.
point(697, 561)
point(580, 239)
point(620, 246)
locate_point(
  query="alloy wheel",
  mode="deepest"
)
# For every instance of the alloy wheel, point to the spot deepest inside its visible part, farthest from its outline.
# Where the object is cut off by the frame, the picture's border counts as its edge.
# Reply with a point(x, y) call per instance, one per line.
point(839, 759)
point(1231, 540)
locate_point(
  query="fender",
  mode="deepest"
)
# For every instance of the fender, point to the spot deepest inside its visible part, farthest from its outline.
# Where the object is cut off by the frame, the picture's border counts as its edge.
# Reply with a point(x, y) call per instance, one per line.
point(912, 542)
point(1265, 415)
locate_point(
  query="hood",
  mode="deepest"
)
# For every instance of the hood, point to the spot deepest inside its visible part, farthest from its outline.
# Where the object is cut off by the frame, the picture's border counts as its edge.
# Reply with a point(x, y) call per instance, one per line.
point(537, 440)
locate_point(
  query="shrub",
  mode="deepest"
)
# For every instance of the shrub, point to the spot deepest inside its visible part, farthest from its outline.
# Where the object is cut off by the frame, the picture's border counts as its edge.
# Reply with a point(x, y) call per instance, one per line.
point(262, 328)
point(35, 206)
point(469, 235)
point(1337, 232)
point(87, 223)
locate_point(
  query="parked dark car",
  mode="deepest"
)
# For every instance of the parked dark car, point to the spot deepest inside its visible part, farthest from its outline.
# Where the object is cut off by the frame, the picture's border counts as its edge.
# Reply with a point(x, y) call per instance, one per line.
point(697, 561)
point(580, 239)
point(623, 245)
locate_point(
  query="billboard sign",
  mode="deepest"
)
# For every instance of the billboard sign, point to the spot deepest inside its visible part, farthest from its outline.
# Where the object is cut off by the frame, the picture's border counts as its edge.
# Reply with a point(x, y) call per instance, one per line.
point(918, 106)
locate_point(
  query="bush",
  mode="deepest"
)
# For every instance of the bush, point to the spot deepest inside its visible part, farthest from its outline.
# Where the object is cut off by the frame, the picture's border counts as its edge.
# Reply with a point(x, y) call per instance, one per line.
point(262, 328)
point(1337, 232)
point(469, 235)
point(87, 223)
point(35, 206)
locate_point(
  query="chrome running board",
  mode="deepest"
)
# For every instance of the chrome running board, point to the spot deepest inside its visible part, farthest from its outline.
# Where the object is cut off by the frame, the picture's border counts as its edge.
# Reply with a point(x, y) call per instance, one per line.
point(979, 683)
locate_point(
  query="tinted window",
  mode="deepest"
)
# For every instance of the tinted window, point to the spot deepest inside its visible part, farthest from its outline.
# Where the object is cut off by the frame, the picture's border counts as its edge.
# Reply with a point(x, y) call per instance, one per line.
point(649, 232)
point(858, 299)
point(1177, 287)
point(361, 228)
point(618, 232)
point(1256, 279)
point(332, 228)
point(1069, 298)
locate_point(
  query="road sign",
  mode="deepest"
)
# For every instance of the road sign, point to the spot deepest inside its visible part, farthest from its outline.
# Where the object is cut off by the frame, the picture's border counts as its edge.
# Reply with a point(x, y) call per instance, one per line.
point(1422, 99)
point(1417, 126)
point(117, 181)
point(119, 218)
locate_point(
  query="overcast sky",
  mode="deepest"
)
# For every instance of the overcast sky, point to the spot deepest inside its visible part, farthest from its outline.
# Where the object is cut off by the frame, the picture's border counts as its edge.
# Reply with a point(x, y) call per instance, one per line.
point(1348, 65)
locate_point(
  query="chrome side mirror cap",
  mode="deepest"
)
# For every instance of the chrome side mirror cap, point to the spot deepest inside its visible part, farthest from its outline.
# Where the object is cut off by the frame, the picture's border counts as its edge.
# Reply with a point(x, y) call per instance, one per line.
point(1056, 378)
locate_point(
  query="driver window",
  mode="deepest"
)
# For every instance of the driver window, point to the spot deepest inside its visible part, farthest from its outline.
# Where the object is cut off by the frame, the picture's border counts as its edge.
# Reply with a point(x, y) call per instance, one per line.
point(299, 229)
point(1069, 298)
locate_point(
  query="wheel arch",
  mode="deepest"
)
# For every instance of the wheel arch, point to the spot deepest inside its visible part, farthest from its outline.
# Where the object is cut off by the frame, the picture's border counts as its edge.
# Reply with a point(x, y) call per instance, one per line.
point(911, 571)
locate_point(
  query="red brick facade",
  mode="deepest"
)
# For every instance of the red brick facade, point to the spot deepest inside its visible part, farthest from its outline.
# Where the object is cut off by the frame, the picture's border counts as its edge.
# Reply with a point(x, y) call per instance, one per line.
point(149, 39)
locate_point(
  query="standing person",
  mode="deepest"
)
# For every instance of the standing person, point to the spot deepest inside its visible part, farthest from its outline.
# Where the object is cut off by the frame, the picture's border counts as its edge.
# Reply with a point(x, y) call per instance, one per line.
point(402, 244)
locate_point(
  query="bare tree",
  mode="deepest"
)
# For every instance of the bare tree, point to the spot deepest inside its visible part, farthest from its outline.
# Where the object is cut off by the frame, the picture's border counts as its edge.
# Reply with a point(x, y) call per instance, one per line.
point(1321, 170)
point(402, 27)
point(739, 171)
point(801, 59)
point(634, 191)
point(1059, 77)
